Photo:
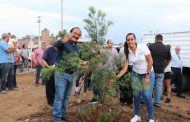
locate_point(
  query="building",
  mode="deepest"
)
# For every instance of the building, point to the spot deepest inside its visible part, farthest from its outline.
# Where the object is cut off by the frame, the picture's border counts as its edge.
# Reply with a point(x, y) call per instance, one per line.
point(33, 41)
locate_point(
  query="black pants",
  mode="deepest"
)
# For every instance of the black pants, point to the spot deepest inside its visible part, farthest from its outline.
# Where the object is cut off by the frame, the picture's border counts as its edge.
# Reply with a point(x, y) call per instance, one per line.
point(50, 90)
point(126, 94)
point(176, 78)
point(14, 77)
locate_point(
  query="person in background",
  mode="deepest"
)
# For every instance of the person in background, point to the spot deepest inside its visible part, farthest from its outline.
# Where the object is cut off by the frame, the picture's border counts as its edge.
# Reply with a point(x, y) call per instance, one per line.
point(24, 54)
point(112, 54)
point(161, 57)
point(177, 70)
point(33, 60)
point(167, 81)
point(17, 55)
point(119, 47)
point(49, 58)
point(140, 57)
point(6, 63)
point(39, 63)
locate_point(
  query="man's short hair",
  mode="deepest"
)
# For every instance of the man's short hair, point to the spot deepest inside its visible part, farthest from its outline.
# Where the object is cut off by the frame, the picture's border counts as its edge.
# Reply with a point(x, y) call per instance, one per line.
point(158, 37)
point(74, 28)
point(108, 40)
point(5, 35)
point(43, 43)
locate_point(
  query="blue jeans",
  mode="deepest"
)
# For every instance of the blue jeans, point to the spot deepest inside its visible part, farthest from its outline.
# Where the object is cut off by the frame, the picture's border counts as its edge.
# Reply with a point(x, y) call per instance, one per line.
point(151, 83)
point(158, 88)
point(63, 88)
point(38, 71)
point(145, 93)
point(6, 75)
point(10, 83)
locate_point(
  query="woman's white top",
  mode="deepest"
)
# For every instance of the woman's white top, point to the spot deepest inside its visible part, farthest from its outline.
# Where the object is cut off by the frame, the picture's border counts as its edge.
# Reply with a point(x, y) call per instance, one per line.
point(138, 59)
point(168, 68)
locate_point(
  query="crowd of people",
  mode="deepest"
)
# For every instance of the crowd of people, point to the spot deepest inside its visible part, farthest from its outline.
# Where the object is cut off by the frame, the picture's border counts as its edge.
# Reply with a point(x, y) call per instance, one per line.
point(152, 64)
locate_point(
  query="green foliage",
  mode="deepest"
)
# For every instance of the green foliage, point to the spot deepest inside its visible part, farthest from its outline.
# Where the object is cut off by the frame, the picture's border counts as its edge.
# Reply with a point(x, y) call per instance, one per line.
point(141, 85)
point(125, 81)
point(69, 61)
point(47, 72)
point(105, 117)
point(62, 33)
point(96, 24)
point(84, 53)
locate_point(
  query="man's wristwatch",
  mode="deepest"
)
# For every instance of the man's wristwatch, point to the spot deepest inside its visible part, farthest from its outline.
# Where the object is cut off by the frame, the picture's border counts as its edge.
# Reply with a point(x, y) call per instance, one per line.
point(147, 73)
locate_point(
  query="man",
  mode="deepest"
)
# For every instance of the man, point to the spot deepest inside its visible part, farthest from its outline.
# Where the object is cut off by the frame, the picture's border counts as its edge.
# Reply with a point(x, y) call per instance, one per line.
point(24, 54)
point(112, 54)
point(161, 57)
point(63, 81)
point(6, 63)
point(39, 63)
point(177, 70)
point(49, 58)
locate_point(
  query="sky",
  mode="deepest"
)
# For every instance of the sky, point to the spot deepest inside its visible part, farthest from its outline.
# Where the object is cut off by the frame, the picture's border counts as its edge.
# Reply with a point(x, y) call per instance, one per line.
point(138, 16)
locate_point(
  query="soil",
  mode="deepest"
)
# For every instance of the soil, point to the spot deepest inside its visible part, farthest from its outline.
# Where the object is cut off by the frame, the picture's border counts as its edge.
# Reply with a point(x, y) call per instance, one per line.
point(28, 104)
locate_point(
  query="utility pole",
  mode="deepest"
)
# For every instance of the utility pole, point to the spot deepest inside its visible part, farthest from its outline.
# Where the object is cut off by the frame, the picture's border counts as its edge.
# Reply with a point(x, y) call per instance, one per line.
point(39, 21)
point(61, 15)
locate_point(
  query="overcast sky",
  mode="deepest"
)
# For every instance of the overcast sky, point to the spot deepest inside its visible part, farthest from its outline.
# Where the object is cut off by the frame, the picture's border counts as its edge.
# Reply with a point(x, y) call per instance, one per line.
point(139, 16)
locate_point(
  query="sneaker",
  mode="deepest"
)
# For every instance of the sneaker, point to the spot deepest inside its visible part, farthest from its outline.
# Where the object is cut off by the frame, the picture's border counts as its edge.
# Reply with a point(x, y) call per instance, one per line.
point(168, 100)
point(3, 92)
point(151, 120)
point(181, 96)
point(93, 100)
point(157, 106)
point(136, 118)
point(65, 118)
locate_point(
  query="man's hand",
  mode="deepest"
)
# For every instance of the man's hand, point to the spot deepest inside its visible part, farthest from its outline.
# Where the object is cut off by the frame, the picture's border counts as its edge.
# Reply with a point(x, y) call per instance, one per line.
point(65, 39)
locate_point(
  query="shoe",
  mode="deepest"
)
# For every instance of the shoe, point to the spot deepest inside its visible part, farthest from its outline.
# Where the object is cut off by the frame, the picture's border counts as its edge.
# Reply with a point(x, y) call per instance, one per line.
point(36, 84)
point(65, 118)
point(168, 100)
point(136, 118)
point(93, 100)
point(157, 106)
point(151, 120)
point(181, 96)
point(3, 92)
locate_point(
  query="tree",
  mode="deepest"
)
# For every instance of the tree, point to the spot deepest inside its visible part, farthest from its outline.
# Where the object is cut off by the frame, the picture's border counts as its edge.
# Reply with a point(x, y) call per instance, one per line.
point(96, 25)
point(59, 34)
point(62, 33)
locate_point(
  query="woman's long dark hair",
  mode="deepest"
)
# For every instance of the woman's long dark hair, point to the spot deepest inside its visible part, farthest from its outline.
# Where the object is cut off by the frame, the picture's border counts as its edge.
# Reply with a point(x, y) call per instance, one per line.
point(126, 50)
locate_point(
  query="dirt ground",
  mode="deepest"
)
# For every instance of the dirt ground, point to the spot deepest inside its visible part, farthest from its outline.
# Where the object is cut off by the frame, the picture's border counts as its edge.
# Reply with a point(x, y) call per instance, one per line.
point(28, 104)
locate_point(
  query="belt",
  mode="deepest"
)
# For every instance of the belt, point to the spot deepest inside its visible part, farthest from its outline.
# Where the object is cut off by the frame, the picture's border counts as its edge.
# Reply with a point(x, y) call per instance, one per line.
point(69, 71)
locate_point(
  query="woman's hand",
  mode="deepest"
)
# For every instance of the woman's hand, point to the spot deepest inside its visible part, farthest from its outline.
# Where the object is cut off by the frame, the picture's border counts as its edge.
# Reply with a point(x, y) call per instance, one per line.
point(146, 79)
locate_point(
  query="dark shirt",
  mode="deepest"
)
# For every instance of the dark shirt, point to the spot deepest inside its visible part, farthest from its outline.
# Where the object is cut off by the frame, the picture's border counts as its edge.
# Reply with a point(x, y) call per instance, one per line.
point(69, 47)
point(160, 53)
point(50, 55)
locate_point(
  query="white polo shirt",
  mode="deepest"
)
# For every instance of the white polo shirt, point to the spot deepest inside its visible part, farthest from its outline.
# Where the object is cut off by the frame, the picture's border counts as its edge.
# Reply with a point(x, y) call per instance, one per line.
point(138, 59)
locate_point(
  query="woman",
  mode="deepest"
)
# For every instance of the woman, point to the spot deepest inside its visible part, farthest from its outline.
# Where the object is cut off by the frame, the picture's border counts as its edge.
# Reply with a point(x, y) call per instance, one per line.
point(167, 80)
point(140, 57)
